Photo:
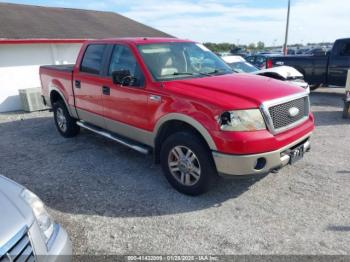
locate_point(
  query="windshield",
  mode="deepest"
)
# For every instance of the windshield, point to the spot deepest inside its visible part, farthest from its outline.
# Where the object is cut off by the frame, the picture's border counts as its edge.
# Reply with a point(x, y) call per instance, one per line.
point(243, 67)
point(169, 61)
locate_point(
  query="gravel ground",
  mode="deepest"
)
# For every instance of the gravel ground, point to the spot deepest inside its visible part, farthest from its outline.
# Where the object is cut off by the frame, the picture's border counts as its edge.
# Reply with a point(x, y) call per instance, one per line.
point(113, 200)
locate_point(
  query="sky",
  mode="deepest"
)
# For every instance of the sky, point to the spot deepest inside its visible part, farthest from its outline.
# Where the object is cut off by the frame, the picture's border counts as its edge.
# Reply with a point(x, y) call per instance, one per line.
point(234, 21)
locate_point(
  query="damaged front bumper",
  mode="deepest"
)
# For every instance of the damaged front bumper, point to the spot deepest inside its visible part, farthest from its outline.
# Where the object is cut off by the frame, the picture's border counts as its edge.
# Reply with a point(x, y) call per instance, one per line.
point(262, 163)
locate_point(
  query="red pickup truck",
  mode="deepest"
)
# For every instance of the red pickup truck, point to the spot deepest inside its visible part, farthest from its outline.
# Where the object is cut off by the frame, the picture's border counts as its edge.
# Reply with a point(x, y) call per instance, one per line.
point(176, 99)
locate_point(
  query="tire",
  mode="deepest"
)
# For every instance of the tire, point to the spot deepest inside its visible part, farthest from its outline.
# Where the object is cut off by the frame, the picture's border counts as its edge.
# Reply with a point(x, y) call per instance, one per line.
point(65, 124)
point(194, 174)
point(346, 110)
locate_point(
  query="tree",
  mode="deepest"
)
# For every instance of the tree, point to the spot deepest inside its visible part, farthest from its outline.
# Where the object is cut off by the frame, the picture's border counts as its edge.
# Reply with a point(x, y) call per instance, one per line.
point(260, 45)
point(251, 46)
point(220, 47)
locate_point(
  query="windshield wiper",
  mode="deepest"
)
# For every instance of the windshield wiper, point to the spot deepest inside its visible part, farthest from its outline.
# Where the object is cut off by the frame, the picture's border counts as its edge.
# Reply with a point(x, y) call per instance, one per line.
point(195, 73)
point(182, 73)
point(216, 71)
point(191, 74)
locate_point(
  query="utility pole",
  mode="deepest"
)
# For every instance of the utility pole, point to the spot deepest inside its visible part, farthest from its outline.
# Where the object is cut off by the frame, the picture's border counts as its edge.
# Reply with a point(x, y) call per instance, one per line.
point(285, 50)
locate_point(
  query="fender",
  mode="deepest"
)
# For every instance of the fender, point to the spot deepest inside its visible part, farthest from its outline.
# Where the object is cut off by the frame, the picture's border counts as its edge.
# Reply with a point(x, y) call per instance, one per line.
point(189, 120)
point(53, 87)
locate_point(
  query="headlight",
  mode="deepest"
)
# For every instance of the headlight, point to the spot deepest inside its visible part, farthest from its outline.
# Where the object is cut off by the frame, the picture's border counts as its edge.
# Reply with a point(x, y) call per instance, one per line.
point(242, 120)
point(45, 222)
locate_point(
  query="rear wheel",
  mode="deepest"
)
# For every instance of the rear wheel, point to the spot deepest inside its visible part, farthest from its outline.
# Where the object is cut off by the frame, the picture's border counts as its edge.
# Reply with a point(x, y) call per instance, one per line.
point(187, 163)
point(66, 125)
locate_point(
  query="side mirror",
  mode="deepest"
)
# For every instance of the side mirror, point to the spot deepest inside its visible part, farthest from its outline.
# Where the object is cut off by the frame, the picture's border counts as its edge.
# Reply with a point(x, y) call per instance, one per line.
point(123, 77)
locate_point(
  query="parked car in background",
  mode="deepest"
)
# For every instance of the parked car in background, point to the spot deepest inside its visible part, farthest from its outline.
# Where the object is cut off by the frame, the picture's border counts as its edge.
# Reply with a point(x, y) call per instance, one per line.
point(222, 53)
point(291, 52)
point(27, 231)
point(177, 100)
point(317, 51)
point(240, 51)
point(239, 64)
point(259, 60)
point(283, 73)
point(318, 68)
point(302, 51)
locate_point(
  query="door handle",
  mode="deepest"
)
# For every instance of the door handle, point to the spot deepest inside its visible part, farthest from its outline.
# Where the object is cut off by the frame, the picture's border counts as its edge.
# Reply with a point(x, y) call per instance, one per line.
point(106, 90)
point(77, 83)
point(155, 98)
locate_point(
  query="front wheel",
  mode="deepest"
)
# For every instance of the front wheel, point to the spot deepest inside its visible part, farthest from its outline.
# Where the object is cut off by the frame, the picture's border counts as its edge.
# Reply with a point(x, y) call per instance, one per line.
point(187, 163)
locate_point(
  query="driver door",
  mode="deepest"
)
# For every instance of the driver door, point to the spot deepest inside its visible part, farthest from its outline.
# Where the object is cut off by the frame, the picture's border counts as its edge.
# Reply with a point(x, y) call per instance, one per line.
point(125, 107)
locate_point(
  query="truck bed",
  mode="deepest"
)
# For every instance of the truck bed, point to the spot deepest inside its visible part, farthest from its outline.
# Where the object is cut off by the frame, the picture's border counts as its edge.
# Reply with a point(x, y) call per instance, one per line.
point(57, 77)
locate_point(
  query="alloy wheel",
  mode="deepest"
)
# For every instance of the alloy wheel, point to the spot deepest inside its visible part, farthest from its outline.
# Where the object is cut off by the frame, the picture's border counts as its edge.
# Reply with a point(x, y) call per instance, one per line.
point(61, 120)
point(184, 165)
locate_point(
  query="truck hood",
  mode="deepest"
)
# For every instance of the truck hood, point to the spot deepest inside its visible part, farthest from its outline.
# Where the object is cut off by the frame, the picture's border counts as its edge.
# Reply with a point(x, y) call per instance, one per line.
point(12, 210)
point(235, 91)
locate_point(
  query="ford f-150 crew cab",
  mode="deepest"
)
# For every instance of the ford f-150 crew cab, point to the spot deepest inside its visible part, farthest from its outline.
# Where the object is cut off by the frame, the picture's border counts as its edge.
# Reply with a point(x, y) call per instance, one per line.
point(330, 69)
point(181, 102)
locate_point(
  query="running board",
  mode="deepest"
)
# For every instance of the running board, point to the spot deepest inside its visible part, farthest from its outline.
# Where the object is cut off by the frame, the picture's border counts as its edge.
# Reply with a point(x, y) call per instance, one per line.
point(126, 142)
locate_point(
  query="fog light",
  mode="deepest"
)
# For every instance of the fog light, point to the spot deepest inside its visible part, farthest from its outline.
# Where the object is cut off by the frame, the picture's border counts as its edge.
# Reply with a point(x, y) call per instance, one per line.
point(260, 163)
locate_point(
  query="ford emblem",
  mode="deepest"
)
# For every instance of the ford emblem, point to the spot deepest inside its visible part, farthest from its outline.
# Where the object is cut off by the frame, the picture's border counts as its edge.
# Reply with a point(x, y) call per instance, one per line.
point(293, 111)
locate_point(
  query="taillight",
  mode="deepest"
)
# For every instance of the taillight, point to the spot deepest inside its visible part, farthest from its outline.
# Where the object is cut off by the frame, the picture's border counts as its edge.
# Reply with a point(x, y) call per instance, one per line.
point(268, 63)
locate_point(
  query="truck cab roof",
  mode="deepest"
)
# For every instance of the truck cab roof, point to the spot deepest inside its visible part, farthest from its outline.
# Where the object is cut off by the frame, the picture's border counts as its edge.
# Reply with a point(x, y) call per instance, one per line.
point(139, 40)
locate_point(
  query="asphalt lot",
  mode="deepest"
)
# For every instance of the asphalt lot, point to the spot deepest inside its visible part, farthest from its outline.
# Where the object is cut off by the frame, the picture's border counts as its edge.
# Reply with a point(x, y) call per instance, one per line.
point(113, 200)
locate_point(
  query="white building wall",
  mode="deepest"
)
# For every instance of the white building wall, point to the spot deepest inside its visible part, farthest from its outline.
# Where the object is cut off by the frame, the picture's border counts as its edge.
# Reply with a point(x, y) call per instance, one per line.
point(19, 68)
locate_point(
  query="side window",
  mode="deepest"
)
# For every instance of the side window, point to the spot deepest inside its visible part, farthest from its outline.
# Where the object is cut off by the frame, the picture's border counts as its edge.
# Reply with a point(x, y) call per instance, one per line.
point(345, 49)
point(92, 60)
point(250, 59)
point(260, 60)
point(123, 59)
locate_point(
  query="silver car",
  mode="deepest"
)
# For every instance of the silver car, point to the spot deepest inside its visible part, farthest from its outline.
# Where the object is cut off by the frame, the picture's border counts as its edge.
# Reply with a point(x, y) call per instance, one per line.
point(283, 73)
point(27, 232)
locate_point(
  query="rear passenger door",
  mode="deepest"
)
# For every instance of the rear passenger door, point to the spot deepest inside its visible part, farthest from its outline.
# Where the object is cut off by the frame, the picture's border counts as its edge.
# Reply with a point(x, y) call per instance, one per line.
point(339, 63)
point(87, 85)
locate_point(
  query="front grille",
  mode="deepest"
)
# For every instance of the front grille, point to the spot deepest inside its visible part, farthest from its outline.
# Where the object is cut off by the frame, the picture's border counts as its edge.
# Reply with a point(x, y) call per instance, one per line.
point(18, 248)
point(280, 114)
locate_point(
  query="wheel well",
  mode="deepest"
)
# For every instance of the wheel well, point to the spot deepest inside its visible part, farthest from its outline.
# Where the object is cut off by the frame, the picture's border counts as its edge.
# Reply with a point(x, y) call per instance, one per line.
point(55, 96)
point(171, 127)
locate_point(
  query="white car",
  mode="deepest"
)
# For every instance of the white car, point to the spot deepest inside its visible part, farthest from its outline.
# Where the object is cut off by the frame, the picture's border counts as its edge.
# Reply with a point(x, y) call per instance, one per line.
point(27, 231)
point(283, 73)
